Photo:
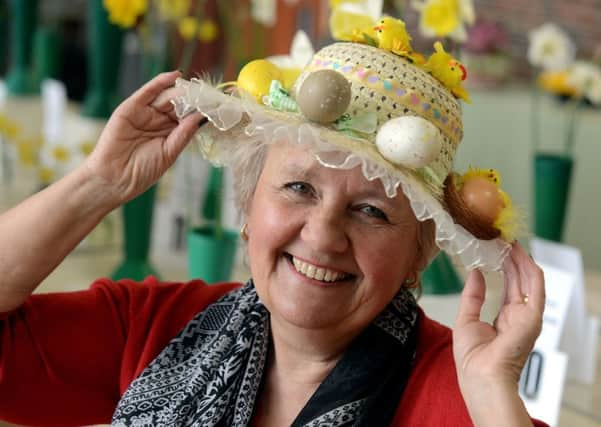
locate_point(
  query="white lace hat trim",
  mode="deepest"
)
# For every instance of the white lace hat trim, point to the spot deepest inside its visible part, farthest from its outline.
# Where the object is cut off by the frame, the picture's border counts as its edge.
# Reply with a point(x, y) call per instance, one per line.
point(240, 121)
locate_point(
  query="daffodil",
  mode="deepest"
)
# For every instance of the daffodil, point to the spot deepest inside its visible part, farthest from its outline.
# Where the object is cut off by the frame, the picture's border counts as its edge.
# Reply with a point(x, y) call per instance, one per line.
point(207, 30)
point(301, 52)
point(264, 11)
point(556, 82)
point(348, 17)
point(173, 10)
point(550, 48)
point(86, 147)
point(445, 18)
point(187, 27)
point(61, 154)
point(8, 128)
point(585, 77)
point(46, 175)
point(125, 13)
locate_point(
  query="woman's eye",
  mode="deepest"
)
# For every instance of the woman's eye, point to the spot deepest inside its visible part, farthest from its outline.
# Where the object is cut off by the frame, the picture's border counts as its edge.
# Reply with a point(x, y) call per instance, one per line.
point(299, 187)
point(373, 212)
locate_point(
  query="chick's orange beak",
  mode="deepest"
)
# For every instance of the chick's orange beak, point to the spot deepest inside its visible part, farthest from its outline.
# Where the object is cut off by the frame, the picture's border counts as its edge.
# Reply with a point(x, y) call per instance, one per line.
point(379, 27)
point(463, 72)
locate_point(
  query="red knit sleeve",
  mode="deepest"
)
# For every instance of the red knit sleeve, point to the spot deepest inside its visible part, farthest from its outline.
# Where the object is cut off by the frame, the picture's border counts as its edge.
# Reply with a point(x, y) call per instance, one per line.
point(66, 358)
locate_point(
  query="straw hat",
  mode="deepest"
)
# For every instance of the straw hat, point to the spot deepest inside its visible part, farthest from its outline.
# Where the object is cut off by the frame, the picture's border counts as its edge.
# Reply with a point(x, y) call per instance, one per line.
point(395, 114)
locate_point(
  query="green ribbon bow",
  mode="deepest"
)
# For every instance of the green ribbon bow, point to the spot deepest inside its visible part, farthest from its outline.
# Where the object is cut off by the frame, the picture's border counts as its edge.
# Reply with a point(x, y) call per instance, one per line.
point(279, 99)
point(357, 126)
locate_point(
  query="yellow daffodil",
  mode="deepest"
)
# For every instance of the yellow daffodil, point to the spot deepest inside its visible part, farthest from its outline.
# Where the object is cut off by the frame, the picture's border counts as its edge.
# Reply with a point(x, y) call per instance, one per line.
point(173, 10)
point(46, 175)
point(187, 26)
point(207, 30)
point(556, 82)
point(86, 147)
point(61, 154)
point(445, 18)
point(27, 150)
point(8, 128)
point(125, 13)
point(350, 18)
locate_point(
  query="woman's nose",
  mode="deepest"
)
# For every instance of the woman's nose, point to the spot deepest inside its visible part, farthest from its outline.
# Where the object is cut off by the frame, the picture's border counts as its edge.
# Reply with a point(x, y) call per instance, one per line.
point(325, 231)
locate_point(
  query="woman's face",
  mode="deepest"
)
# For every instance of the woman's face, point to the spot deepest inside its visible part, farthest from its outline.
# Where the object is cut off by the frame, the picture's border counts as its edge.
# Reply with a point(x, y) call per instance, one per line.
point(327, 248)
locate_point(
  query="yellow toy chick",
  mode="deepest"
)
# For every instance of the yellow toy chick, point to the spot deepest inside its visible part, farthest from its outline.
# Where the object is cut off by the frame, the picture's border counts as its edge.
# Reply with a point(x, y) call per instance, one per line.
point(391, 35)
point(448, 71)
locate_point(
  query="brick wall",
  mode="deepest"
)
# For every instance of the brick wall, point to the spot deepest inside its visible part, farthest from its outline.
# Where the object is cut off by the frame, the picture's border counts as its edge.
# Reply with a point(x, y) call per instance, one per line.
point(580, 18)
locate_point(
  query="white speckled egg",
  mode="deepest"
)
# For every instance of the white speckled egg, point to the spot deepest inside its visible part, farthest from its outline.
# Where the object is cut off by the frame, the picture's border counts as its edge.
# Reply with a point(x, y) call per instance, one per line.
point(324, 96)
point(409, 141)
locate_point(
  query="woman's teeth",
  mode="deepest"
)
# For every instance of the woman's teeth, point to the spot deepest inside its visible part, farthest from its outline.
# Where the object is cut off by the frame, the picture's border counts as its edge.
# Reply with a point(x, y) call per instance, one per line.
point(317, 273)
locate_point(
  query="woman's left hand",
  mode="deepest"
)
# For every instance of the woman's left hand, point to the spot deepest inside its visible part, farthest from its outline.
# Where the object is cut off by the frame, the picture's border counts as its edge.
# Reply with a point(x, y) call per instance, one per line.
point(489, 358)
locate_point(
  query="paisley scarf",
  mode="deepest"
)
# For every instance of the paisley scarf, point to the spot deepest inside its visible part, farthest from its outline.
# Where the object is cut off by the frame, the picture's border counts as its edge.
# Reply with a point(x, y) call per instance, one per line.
point(210, 374)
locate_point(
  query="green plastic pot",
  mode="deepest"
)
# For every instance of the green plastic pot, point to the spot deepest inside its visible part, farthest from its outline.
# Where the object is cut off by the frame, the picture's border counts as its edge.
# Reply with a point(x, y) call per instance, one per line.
point(211, 255)
point(440, 278)
point(104, 57)
point(23, 19)
point(552, 177)
point(137, 227)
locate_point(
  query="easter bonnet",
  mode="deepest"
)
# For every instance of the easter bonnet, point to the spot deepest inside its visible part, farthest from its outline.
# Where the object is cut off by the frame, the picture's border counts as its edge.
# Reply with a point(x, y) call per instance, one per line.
point(373, 102)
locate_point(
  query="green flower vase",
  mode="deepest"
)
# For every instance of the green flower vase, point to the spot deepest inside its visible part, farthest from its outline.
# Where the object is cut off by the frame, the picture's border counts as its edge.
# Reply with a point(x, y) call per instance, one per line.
point(211, 254)
point(137, 227)
point(441, 278)
point(23, 20)
point(104, 57)
point(552, 177)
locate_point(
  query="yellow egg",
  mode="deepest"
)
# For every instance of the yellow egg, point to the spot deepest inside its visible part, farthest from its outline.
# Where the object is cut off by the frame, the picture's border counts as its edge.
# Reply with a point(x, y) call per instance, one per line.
point(483, 198)
point(256, 76)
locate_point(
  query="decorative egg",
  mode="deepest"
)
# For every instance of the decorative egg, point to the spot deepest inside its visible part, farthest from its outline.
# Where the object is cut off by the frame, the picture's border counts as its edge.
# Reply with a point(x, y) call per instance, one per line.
point(256, 76)
point(409, 141)
point(483, 198)
point(324, 96)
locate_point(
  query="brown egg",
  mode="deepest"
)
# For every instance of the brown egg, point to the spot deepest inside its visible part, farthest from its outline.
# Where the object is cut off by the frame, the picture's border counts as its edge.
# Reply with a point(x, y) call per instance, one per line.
point(482, 197)
point(324, 96)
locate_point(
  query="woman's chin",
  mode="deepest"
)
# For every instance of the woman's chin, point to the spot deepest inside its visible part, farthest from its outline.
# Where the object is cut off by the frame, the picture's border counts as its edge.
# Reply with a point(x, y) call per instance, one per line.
point(307, 302)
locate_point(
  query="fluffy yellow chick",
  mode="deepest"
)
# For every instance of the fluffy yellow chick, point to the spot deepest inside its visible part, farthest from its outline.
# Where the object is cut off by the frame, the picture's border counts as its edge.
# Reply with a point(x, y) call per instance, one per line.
point(448, 71)
point(392, 35)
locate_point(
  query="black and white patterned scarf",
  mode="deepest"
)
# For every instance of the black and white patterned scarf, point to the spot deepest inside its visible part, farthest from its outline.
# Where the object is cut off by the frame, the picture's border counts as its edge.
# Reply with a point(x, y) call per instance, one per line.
point(210, 374)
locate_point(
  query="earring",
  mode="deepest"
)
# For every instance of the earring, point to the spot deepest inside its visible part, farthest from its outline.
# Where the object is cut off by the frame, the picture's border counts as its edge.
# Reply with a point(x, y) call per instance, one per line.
point(409, 281)
point(244, 232)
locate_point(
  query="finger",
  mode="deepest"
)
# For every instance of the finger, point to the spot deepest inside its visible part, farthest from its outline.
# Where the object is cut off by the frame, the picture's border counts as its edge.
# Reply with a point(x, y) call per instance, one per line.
point(532, 278)
point(472, 299)
point(512, 280)
point(162, 102)
point(182, 134)
point(151, 90)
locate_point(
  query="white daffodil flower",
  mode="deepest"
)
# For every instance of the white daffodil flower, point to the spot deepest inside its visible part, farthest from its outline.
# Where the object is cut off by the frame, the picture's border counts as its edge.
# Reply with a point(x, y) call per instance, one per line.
point(585, 77)
point(264, 11)
point(550, 48)
point(301, 52)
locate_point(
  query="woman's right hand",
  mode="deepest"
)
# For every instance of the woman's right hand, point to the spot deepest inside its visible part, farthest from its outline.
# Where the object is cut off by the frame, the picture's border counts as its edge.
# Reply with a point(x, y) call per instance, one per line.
point(141, 140)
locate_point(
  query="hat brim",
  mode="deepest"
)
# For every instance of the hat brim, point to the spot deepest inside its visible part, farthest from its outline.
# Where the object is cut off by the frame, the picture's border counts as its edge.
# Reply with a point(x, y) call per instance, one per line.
point(240, 121)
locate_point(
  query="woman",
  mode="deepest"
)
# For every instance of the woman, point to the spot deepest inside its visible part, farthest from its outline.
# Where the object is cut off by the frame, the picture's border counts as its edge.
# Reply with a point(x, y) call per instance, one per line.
point(327, 332)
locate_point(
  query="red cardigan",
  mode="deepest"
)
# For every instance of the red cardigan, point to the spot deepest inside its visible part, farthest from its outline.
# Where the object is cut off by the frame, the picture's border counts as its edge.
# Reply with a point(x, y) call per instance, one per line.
point(66, 358)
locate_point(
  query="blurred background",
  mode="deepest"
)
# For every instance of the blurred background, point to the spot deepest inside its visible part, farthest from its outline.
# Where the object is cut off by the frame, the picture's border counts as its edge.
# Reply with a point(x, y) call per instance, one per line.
point(534, 78)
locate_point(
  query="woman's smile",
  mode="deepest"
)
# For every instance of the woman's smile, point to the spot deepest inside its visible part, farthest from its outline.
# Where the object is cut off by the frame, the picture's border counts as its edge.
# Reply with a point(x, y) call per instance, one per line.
point(317, 274)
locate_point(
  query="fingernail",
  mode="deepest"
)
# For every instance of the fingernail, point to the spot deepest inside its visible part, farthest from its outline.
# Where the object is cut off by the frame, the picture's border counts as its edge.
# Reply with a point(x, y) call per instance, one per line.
point(202, 121)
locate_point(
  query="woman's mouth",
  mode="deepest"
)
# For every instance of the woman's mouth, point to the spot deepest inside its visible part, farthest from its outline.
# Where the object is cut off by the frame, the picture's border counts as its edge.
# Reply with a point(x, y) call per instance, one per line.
point(315, 272)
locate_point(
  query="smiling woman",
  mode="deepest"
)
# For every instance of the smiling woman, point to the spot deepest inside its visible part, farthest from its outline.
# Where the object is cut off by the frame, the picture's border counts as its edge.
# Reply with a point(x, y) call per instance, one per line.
point(340, 221)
